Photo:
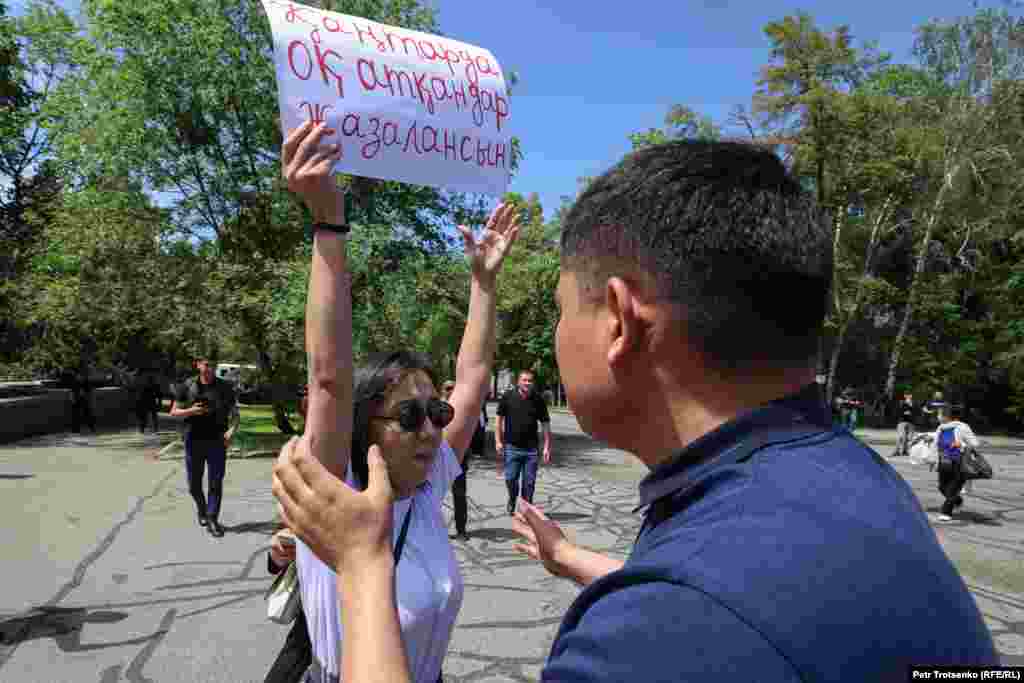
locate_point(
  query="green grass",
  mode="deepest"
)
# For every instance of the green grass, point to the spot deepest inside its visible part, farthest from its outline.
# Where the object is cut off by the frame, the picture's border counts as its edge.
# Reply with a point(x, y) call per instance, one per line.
point(1001, 574)
point(258, 430)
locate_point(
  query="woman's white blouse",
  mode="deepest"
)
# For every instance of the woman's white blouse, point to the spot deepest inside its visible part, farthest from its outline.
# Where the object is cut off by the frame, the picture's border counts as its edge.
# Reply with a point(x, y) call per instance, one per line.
point(428, 581)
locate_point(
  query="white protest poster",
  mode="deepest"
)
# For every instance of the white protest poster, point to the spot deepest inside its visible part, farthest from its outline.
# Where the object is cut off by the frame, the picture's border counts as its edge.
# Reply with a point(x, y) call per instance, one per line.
point(405, 105)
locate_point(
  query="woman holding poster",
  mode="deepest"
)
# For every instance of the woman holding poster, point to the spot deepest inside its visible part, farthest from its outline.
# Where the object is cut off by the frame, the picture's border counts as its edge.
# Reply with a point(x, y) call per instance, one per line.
point(388, 415)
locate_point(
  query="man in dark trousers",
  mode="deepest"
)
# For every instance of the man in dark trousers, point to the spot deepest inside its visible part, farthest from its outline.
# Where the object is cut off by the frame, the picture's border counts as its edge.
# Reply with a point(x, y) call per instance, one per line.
point(211, 417)
point(147, 402)
point(519, 412)
point(909, 415)
point(81, 401)
point(476, 447)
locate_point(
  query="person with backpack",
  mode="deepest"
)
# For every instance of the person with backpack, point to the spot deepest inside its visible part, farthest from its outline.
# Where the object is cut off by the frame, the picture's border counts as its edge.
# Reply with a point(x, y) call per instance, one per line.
point(951, 438)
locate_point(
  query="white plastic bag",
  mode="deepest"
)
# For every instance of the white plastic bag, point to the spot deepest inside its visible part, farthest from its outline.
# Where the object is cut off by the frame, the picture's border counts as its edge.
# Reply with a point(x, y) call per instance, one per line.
point(923, 451)
point(283, 596)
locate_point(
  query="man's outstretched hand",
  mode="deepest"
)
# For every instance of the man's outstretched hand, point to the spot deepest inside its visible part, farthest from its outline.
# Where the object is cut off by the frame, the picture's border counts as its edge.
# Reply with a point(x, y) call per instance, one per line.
point(545, 541)
point(543, 538)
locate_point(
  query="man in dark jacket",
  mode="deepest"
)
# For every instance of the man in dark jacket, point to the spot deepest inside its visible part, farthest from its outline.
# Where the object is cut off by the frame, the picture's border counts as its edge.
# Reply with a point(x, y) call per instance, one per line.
point(211, 417)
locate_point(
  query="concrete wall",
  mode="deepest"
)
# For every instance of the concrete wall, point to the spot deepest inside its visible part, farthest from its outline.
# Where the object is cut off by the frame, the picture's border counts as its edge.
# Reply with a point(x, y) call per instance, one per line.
point(51, 412)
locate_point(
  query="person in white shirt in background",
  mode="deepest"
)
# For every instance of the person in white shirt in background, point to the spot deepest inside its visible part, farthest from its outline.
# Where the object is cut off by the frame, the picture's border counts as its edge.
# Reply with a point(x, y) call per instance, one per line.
point(951, 438)
point(387, 415)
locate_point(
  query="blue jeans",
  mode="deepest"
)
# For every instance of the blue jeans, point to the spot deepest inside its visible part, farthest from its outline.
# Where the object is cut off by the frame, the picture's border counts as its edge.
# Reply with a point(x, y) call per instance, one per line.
point(198, 454)
point(520, 461)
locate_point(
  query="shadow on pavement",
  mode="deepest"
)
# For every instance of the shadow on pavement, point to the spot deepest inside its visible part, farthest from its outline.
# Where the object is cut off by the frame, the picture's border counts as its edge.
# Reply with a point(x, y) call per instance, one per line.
point(267, 528)
point(567, 517)
point(496, 535)
point(17, 476)
point(63, 624)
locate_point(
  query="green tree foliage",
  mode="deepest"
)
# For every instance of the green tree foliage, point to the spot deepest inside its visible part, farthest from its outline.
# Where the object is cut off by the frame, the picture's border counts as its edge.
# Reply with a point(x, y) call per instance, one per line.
point(178, 96)
point(527, 312)
point(973, 166)
point(111, 294)
point(681, 123)
point(800, 88)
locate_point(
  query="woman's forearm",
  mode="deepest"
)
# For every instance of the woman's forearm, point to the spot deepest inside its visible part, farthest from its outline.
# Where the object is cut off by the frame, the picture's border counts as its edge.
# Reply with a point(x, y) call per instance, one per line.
point(479, 341)
point(329, 353)
point(372, 649)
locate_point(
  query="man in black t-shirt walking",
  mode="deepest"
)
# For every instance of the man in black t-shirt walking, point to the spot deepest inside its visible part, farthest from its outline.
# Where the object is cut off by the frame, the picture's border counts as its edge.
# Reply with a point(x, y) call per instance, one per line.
point(909, 416)
point(515, 439)
point(211, 418)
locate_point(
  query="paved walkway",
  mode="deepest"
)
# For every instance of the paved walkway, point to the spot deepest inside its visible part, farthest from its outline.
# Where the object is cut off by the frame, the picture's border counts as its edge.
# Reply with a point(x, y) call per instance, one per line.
point(107, 577)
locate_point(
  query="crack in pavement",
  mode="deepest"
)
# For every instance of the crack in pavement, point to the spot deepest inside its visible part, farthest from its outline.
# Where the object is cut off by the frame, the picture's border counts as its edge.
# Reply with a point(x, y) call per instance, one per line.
point(83, 566)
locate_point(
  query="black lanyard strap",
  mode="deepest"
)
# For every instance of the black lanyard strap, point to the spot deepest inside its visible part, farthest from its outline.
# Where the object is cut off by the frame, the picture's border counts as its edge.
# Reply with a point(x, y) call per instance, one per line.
point(401, 535)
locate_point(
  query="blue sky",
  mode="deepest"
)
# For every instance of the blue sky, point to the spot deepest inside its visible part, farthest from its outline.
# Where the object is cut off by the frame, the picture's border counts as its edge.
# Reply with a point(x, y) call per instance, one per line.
point(593, 72)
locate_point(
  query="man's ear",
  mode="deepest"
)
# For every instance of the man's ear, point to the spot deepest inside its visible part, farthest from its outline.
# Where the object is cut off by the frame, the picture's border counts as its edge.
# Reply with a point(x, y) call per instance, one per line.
point(627, 326)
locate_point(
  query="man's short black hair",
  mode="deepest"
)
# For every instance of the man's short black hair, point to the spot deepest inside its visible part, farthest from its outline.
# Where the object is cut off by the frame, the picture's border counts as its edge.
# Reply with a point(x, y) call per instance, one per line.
point(725, 232)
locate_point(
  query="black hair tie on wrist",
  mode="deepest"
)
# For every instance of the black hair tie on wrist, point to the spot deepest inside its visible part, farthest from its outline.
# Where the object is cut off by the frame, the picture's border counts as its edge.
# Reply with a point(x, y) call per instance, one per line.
point(331, 227)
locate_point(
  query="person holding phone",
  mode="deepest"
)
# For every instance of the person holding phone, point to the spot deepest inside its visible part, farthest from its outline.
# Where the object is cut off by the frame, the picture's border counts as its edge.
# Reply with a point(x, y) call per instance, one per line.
point(211, 417)
point(387, 411)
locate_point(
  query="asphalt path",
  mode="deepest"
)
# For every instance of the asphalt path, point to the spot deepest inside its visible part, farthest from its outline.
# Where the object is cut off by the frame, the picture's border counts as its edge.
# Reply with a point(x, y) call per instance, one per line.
point(107, 577)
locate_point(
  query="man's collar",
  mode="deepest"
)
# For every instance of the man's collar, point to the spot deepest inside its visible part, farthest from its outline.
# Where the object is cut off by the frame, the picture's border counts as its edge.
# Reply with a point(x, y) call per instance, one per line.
point(805, 408)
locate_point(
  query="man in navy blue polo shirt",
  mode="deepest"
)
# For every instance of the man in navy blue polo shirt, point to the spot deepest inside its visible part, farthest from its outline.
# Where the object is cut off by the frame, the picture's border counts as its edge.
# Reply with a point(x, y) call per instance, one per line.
point(774, 547)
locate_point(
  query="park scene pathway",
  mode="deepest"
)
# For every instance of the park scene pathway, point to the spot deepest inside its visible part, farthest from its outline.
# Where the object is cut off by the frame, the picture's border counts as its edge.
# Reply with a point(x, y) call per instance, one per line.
point(108, 578)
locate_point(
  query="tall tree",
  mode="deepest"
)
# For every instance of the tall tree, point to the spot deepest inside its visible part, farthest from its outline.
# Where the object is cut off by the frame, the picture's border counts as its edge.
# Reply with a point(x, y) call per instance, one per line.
point(972, 57)
point(29, 72)
point(111, 294)
point(527, 312)
point(798, 90)
point(178, 95)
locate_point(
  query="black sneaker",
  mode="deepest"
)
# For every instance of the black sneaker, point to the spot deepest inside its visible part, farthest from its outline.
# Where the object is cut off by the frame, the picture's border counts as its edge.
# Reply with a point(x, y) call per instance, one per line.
point(203, 521)
point(216, 529)
point(511, 508)
point(462, 536)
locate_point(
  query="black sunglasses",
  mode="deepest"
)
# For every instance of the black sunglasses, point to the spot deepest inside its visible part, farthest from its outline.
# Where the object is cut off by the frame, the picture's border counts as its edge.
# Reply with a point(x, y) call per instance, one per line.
point(412, 413)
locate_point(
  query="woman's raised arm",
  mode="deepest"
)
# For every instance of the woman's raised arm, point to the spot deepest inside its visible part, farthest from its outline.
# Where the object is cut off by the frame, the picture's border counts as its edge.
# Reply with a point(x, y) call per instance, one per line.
point(476, 353)
point(306, 164)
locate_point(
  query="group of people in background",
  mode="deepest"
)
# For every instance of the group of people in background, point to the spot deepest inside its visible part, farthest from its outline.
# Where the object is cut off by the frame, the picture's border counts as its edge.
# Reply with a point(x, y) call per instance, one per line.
point(952, 437)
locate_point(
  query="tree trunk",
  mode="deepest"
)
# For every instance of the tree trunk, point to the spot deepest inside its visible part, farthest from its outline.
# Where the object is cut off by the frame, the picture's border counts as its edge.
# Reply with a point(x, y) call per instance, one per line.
point(833, 363)
point(922, 259)
point(837, 231)
point(858, 299)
